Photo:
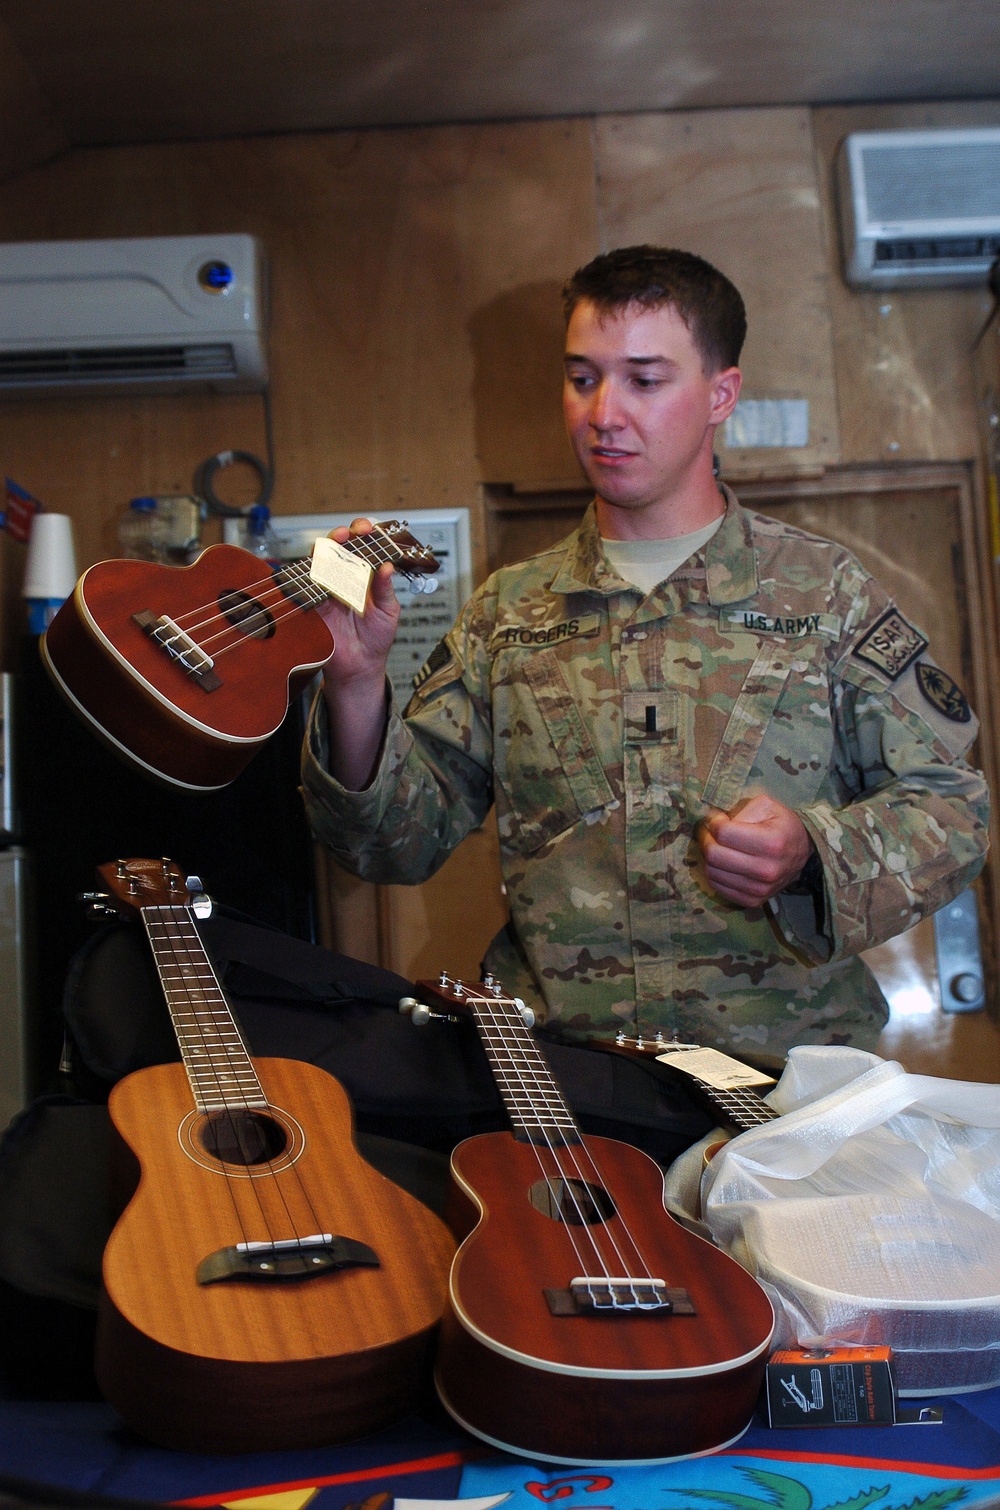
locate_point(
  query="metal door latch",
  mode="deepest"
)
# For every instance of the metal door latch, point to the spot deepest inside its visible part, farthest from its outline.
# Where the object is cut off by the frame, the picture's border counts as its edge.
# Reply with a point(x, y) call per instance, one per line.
point(959, 961)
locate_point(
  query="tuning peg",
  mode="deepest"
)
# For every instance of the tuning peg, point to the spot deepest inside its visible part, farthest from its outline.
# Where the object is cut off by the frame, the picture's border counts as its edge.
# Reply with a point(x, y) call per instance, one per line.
point(420, 1014)
point(527, 1015)
point(97, 904)
point(417, 1011)
point(201, 904)
point(425, 585)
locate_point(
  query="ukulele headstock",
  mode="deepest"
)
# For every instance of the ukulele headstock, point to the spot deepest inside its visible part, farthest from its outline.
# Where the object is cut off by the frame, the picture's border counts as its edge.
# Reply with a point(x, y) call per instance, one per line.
point(408, 556)
point(458, 999)
point(131, 885)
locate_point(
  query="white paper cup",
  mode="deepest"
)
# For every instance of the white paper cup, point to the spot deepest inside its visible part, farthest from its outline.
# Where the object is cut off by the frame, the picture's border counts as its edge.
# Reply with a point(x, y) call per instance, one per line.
point(50, 570)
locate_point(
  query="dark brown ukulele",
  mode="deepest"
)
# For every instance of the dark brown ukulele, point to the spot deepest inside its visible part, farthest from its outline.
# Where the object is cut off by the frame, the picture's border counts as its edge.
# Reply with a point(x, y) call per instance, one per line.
point(584, 1324)
point(264, 1287)
point(187, 671)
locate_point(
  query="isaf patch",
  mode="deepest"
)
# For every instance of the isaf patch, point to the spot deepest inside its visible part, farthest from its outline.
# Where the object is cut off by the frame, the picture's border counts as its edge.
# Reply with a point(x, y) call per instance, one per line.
point(439, 656)
point(944, 693)
point(892, 644)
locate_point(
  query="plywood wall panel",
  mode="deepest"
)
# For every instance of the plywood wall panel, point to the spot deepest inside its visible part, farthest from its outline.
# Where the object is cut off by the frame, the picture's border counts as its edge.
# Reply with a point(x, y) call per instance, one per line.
point(738, 187)
point(415, 332)
point(903, 362)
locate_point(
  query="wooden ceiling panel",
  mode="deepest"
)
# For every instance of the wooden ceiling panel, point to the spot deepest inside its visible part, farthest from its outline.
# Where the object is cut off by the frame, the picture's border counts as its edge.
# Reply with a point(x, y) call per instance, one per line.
point(139, 70)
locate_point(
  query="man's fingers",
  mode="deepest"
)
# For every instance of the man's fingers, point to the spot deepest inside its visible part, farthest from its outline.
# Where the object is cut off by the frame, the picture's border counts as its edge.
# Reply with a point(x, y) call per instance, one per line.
point(753, 854)
point(754, 838)
point(734, 876)
point(728, 860)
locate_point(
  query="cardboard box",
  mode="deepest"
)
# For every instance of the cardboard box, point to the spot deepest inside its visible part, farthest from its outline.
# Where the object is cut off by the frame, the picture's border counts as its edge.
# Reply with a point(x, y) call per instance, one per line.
point(836, 1386)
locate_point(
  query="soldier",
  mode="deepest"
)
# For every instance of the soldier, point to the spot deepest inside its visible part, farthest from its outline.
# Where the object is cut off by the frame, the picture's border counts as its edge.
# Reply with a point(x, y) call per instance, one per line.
point(722, 760)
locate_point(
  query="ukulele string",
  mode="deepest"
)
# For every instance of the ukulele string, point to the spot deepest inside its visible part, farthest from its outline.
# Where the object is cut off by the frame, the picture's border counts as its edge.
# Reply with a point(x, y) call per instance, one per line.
point(165, 951)
point(268, 595)
point(187, 961)
point(266, 1167)
point(263, 1168)
point(572, 1152)
point(505, 1017)
point(548, 1177)
point(558, 1152)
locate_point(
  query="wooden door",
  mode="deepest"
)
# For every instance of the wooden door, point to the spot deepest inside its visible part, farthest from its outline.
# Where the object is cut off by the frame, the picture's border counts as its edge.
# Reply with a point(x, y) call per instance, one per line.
point(918, 530)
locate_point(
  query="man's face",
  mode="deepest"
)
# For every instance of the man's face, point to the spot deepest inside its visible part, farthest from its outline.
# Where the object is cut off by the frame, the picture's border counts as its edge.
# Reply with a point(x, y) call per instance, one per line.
point(640, 409)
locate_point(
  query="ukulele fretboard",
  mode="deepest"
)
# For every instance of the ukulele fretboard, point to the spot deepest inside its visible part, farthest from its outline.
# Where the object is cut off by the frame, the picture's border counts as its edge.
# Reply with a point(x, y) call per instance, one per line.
point(295, 580)
point(534, 1102)
point(741, 1109)
point(218, 1066)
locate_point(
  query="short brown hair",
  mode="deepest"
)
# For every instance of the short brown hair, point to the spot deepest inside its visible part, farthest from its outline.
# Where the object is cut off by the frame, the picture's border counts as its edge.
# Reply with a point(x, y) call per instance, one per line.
point(652, 276)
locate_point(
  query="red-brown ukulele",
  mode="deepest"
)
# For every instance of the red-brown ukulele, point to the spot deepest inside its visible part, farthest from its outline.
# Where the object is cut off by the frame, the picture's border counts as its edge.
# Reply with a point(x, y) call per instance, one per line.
point(187, 671)
point(265, 1287)
point(584, 1324)
point(722, 1085)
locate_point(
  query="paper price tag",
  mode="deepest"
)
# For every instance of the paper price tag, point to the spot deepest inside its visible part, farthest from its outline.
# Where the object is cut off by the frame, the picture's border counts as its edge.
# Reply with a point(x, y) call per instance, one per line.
point(715, 1069)
point(340, 573)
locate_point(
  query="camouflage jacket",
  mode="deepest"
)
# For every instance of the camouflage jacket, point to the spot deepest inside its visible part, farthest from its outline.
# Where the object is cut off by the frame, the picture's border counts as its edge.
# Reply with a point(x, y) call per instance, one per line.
point(605, 725)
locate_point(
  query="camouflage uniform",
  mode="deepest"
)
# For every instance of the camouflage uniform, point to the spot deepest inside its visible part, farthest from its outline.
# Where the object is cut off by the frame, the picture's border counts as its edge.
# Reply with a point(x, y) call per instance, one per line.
point(605, 725)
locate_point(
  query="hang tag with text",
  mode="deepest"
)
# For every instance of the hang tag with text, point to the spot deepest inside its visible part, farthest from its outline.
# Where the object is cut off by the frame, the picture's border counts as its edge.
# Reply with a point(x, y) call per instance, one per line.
point(714, 1069)
point(340, 573)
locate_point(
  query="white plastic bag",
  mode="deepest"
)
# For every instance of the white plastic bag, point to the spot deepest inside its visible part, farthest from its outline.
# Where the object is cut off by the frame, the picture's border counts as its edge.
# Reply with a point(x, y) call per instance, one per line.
point(870, 1212)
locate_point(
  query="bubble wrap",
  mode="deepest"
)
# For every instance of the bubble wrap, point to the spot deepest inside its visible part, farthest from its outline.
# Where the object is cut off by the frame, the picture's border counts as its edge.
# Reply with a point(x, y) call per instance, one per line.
point(870, 1213)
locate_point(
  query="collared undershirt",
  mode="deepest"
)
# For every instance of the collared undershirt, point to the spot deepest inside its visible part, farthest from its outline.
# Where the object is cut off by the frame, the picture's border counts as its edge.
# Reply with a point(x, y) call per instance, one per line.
point(646, 563)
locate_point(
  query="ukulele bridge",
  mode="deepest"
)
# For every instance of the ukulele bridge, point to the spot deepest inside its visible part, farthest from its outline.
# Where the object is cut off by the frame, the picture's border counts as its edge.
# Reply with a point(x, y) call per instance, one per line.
point(180, 647)
point(290, 1258)
point(607, 1296)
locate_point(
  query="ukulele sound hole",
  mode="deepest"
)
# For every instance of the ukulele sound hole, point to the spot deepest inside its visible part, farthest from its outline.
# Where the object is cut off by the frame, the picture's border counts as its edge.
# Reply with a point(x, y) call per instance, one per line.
point(246, 614)
point(242, 1137)
point(574, 1202)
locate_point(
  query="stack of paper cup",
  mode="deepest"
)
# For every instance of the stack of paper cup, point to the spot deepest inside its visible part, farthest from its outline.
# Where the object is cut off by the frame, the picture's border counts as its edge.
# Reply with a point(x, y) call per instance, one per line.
point(50, 570)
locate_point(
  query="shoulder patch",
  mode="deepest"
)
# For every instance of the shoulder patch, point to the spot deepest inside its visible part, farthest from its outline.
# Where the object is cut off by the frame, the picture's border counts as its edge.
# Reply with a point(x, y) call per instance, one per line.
point(891, 645)
point(439, 656)
point(535, 636)
point(943, 693)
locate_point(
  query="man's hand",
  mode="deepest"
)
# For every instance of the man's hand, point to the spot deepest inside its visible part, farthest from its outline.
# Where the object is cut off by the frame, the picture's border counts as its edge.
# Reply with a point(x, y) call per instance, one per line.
point(354, 676)
point(362, 642)
point(754, 852)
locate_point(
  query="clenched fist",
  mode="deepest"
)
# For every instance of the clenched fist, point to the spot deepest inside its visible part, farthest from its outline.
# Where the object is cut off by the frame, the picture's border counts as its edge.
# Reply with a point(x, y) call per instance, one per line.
point(754, 852)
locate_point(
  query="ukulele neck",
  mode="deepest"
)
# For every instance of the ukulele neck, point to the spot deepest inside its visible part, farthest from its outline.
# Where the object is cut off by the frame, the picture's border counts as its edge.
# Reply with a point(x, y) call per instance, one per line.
point(390, 542)
point(219, 1069)
point(535, 1104)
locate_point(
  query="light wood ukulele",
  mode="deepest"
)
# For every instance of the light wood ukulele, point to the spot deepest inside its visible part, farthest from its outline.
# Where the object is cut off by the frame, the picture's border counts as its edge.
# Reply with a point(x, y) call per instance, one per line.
point(186, 671)
point(584, 1324)
point(264, 1287)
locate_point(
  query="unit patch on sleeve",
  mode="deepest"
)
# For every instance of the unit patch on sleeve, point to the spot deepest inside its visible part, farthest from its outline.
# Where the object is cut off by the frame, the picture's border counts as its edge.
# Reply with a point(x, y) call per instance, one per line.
point(439, 656)
point(891, 645)
point(534, 636)
point(945, 694)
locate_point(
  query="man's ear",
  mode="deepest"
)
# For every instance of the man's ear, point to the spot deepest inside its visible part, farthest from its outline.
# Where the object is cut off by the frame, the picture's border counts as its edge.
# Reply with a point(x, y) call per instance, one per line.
point(726, 387)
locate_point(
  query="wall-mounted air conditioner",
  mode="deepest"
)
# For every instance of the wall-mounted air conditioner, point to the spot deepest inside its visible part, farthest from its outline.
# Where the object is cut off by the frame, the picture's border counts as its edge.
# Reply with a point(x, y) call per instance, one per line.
point(919, 209)
point(159, 314)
